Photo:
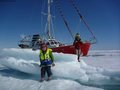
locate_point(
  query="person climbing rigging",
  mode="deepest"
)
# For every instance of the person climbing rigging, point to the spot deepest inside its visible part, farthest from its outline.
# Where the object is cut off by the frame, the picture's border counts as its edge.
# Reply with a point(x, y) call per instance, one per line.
point(77, 44)
point(46, 61)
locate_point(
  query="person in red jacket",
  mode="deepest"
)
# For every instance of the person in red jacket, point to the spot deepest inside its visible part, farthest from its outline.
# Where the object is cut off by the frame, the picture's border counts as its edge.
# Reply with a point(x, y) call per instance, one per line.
point(77, 44)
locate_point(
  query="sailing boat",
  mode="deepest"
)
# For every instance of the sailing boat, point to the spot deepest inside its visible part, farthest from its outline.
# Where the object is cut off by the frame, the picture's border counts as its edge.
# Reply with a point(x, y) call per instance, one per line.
point(34, 41)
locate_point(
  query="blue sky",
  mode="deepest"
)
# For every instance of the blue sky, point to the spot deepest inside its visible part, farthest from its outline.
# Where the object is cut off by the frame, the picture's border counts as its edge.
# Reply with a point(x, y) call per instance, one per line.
point(23, 17)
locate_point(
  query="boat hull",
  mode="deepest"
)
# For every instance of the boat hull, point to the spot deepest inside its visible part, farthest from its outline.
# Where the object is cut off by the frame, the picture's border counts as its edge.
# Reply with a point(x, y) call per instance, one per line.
point(70, 49)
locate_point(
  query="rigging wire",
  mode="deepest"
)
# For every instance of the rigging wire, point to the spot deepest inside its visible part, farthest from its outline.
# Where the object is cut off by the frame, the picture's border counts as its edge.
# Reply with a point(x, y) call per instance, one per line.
point(52, 20)
point(81, 17)
point(53, 28)
point(42, 9)
point(63, 17)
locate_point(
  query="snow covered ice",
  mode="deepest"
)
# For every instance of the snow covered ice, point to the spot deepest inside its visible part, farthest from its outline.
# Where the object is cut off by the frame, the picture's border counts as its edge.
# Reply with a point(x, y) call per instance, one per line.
point(100, 70)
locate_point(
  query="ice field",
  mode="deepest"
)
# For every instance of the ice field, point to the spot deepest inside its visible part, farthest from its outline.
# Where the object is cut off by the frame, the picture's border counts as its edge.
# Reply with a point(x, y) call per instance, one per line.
point(100, 70)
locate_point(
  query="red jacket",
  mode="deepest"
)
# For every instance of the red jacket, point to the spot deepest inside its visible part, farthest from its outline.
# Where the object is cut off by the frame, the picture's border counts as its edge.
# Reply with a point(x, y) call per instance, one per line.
point(78, 44)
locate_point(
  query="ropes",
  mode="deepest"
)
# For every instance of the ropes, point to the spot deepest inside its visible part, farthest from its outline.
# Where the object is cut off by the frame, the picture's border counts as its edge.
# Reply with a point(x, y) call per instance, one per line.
point(61, 14)
point(93, 40)
point(77, 10)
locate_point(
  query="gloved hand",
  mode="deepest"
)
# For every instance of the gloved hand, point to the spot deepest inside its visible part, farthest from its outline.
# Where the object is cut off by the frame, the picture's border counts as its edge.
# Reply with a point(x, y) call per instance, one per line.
point(40, 65)
point(53, 64)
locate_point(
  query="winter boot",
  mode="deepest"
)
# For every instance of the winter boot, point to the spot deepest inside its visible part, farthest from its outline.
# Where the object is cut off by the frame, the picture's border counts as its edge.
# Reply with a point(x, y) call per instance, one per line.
point(49, 78)
point(78, 59)
point(42, 79)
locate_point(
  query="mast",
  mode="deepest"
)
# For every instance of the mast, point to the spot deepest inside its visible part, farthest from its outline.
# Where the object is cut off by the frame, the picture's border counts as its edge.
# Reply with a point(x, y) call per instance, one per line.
point(49, 19)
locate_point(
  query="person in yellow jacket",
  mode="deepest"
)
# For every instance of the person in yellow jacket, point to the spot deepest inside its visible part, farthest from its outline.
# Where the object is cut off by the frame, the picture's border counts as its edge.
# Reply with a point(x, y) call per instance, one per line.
point(46, 61)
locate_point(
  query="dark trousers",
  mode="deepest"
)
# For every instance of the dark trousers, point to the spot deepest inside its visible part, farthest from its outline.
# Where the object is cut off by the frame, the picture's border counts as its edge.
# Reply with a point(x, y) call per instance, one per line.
point(44, 70)
point(78, 52)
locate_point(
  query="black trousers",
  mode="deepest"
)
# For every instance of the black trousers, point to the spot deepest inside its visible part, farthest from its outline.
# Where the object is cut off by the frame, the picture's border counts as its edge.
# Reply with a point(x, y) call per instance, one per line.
point(44, 70)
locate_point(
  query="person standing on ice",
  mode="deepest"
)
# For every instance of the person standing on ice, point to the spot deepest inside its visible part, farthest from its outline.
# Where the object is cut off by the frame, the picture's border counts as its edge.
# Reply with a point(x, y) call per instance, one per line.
point(77, 44)
point(46, 61)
